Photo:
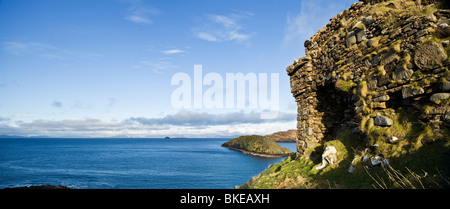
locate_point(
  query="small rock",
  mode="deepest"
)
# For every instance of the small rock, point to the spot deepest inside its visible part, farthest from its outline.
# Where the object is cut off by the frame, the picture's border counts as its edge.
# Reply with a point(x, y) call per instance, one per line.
point(351, 168)
point(367, 20)
point(376, 160)
point(446, 117)
point(445, 43)
point(379, 105)
point(443, 25)
point(439, 96)
point(365, 158)
point(359, 109)
point(393, 139)
point(375, 60)
point(350, 39)
point(370, 42)
point(382, 121)
point(388, 57)
point(359, 103)
point(379, 160)
point(360, 35)
point(431, 18)
point(383, 98)
point(409, 91)
point(403, 73)
point(309, 131)
point(307, 43)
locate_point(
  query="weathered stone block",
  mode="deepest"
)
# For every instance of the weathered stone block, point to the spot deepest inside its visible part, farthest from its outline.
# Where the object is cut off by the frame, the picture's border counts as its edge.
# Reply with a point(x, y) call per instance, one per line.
point(445, 86)
point(429, 55)
point(350, 39)
point(379, 105)
point(408, 91)
point(382, 98)
point(403, 73)
point(380, 120)
point(360, 35)
point(436, 98)
point(388, 57)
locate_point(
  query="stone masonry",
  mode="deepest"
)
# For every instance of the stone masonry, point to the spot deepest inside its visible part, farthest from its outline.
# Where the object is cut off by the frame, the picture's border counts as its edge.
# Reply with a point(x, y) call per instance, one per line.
point(376, 55)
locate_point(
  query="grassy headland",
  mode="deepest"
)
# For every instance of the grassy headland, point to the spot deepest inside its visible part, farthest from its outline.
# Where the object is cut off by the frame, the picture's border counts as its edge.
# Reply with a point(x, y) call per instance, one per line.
point(257, 145)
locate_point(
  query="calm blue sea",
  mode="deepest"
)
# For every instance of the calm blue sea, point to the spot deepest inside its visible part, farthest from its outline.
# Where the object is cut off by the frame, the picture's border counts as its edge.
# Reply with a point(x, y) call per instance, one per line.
point(127, 163)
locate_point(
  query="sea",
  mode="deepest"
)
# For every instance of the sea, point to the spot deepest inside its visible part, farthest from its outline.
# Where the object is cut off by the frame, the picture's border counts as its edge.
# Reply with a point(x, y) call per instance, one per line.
point(124, 163)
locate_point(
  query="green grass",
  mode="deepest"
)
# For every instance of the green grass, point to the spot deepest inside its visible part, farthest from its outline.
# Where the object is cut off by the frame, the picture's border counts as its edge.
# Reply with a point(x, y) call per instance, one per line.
point(404, 8)
point(345, 86)
point(257, 144)
point(414, 162)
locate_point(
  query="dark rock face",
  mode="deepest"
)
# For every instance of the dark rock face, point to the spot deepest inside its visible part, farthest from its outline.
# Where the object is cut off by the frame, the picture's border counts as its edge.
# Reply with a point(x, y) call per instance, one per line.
point(368, 60)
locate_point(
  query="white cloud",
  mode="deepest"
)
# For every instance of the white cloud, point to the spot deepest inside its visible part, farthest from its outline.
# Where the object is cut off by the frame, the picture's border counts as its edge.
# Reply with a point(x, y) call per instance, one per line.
point(182, 124)
point(140, 13)
point(173, 51)
point(44, 50)
point(138, 18)
point(222, 28)
point(192, 118)
point(157, 65)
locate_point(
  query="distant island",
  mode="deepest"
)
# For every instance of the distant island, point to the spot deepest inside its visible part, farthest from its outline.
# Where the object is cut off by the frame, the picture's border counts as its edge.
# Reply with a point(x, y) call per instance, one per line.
point(258, 146)
point(284, 136)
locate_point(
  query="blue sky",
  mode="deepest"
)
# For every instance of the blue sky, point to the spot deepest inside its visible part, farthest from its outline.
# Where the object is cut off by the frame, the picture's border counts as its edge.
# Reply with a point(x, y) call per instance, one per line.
point(103, 68)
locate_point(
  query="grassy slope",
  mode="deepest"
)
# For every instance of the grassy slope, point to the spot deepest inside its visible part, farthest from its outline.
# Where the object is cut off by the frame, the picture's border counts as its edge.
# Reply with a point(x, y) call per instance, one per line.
point(419, 160)
point(257, 144)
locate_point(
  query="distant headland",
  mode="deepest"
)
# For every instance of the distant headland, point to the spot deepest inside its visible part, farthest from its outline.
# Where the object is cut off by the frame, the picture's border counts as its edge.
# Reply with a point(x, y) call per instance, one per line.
point(258, 146)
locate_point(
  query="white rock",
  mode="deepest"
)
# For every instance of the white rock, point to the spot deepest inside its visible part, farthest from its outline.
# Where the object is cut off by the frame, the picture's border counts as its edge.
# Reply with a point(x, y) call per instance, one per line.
point(365, 158)
point(376, 160)
point(351, 168)
point(443, 25)
point(329, 156)
point(379, 160)
point(393, 139)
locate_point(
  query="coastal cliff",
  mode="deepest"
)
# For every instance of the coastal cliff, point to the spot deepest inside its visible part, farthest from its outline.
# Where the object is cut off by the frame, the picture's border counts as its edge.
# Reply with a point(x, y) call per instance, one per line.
point(373, 101)
point(284, 136)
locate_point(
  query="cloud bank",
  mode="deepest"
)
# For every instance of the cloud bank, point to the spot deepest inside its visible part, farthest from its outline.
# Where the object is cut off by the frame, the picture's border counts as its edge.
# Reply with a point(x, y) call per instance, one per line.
point(183, 123)
point(191, 118)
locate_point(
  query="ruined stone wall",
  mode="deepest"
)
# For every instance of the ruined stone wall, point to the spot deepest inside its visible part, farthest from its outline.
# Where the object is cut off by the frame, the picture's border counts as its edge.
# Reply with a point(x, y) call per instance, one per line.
point(370, 60)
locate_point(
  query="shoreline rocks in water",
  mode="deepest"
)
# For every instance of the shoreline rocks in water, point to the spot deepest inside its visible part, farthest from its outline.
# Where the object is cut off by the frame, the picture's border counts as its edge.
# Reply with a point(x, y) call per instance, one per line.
point(258, 146)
